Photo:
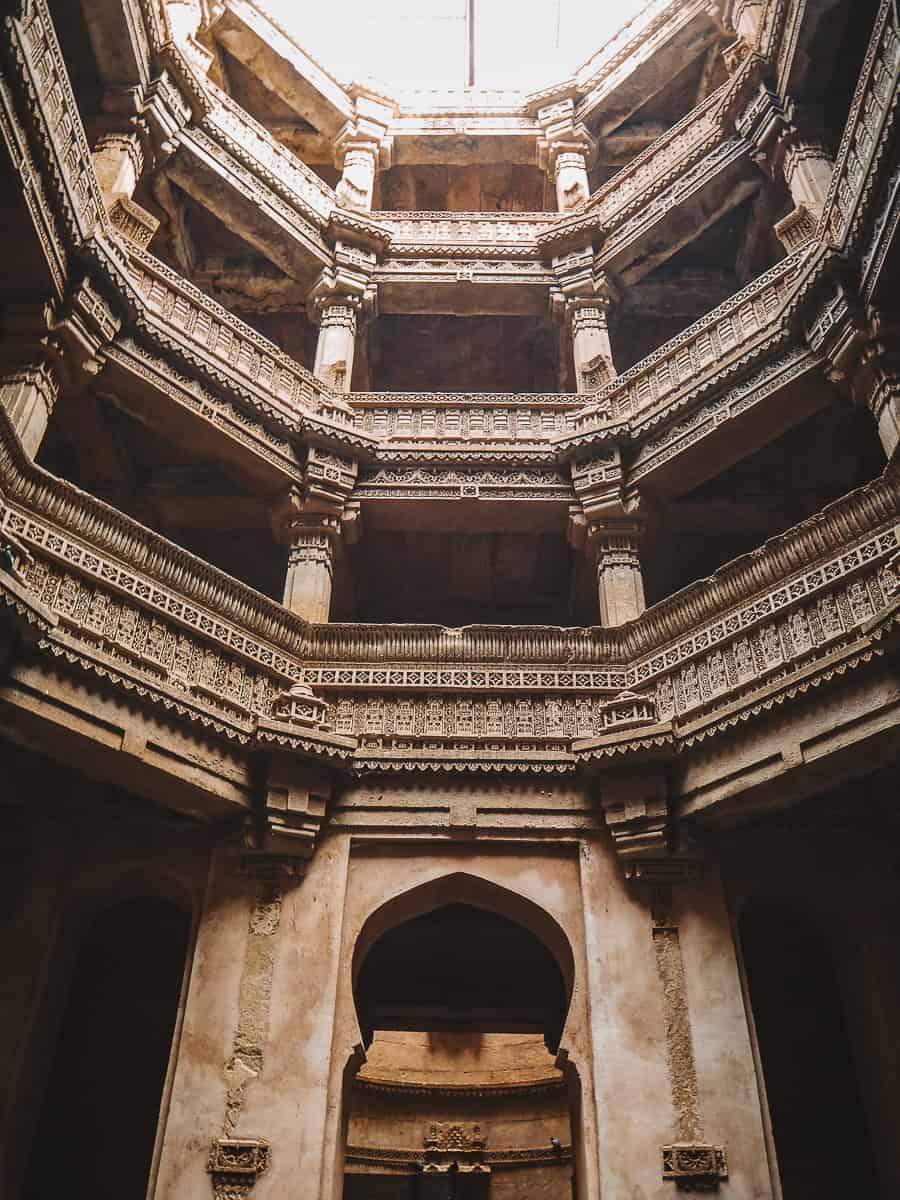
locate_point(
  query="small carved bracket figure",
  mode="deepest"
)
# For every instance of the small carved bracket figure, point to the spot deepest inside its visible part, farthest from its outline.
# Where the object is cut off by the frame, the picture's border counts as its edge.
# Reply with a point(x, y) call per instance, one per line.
point(235, 1164)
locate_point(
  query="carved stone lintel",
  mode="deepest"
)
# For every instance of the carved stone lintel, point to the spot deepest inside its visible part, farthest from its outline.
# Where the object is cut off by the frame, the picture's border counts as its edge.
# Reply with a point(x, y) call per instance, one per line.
point(694, 1167)
point(235, 1164)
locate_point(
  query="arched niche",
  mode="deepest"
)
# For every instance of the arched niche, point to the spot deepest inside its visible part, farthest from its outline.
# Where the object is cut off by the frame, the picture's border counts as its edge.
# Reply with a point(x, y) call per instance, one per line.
point(451, 904)
point(98, 1120)
point(468, 985)
point(821, 1137)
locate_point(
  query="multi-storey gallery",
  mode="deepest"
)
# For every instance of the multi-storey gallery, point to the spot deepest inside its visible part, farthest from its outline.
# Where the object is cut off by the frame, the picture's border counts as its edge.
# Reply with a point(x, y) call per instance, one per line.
point(450, 625)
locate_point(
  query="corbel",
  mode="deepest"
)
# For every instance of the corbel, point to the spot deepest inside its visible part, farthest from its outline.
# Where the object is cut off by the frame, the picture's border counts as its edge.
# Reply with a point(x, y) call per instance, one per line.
point(235, 1164)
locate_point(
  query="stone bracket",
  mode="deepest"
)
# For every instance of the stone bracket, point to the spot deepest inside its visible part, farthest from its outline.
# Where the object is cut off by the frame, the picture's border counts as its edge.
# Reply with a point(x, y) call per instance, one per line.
point(635, 804)
point(694, 1167)
point(235, 1164)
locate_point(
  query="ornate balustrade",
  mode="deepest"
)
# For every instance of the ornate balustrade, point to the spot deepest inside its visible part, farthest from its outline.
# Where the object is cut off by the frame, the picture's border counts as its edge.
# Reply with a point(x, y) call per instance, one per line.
point(151, 619)
point(465, 234)
point(253, 145)
point(870, 124)
point(49, 112)
point(469, 418)
point(685, 367)
point(223, 346)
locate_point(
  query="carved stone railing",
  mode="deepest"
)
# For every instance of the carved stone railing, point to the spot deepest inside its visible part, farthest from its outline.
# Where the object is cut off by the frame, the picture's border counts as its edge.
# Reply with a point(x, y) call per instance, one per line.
point(774, 622)
point(153, 620)
point(275, 164)
point(701, 353)
point(465, 234)
point(600, 73)
point(55, 124)
point(674, 152)
point(870, 124)
point(420, 418)
point(223, 347)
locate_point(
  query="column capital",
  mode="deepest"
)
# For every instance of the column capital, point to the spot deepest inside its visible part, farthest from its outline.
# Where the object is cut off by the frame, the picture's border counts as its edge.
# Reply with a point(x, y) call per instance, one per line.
point(294, 523)
point(562, 133)
point(344, 293)
point(362, 147)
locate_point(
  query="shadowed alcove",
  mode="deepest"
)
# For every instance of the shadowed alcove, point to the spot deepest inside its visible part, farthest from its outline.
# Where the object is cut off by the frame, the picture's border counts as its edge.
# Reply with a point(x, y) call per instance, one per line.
point(818, 1122)
point(98, 1121)
point(462, 993)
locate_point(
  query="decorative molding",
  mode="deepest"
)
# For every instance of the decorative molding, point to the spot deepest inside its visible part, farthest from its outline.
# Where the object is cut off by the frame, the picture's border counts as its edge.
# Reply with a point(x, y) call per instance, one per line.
point(235, 1164)
point(694, 1167)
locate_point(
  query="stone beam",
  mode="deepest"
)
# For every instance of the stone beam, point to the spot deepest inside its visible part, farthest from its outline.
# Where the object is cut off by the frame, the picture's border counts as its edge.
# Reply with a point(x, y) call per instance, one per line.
point(282, 66)
point(246, 206)
point(614, 93)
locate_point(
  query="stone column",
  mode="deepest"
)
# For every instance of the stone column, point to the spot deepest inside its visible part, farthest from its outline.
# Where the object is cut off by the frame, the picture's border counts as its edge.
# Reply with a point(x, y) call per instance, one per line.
point(118, 162)
point(807, 168)
point(570, 174)
point(591, 347)
point(620, 583)
point(565, 151)
point(785, 141)
point(28, 393)
point(310, 570)
point(876, 381)
point(337, 342)
point(357, 182)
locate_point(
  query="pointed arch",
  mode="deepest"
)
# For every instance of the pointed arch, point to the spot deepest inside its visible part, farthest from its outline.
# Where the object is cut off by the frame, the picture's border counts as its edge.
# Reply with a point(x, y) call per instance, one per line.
point(439, 920)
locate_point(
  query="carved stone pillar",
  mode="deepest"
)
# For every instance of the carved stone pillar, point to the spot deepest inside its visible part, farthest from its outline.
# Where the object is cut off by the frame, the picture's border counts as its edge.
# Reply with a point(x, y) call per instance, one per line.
point(48, 347)
point(357, 182)
point(620, 583)
point(876, 383)
point(337, 343)
point(570, 174)
point(28, 393)
point(807, 168)
point(591, 347)
point(362, 147)
point(565, 151)
point(786, 142)
point(339, 298)
point(608, 524)
point(118, 162)
point(310, 569)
